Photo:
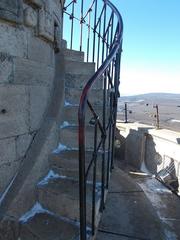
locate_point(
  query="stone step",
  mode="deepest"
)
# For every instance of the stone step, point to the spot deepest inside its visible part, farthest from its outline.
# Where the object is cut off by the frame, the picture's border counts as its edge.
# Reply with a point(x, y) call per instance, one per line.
point(74, 173)
point(38, 224)
point(69, 158)
point(66, 163)
point(73, 55)
point(79, 80)
point(74, 67)
point(61, 196)
point(71, 113)
point(69, 136)
point(46, 226)
point(72, 95)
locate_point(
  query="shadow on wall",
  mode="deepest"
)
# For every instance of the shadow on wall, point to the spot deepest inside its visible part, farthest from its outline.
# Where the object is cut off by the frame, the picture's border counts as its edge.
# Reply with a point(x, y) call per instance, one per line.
point(152, 158)
point(138, 149)
point(120, 143)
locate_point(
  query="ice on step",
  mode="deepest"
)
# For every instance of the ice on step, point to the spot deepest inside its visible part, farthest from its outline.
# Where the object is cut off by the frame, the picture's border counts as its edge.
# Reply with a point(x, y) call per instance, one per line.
point(66, 104)
point(60, 148)
point(66, 124)
point(37, 208)
point(51, 175)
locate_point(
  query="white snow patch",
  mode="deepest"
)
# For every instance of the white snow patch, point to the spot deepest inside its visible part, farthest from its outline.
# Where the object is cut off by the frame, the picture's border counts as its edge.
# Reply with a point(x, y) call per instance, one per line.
point(66, 104)
point(60, 148)
point(170, 235)
point(65, 124)
point(175, 120)
point(51, 175)
point(37, 208)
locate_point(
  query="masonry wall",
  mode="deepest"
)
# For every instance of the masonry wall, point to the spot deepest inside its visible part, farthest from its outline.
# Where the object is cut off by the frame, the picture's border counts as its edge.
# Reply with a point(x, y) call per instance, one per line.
point(30, 35)
point(150, 149)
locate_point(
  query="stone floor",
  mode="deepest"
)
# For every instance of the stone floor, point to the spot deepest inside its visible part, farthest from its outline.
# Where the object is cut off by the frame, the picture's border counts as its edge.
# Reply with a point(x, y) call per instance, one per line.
point(139, 207)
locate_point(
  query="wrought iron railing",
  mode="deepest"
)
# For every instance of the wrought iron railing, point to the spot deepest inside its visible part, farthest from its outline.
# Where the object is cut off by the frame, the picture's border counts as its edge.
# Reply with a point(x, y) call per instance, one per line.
point(97, 32)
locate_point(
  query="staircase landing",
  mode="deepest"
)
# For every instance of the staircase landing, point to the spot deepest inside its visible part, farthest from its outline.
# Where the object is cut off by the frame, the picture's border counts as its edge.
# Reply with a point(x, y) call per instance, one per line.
point(139, 207)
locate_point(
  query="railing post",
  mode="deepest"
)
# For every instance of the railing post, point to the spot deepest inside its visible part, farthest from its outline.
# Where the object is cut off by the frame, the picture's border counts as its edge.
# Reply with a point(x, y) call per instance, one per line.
point(82, 175)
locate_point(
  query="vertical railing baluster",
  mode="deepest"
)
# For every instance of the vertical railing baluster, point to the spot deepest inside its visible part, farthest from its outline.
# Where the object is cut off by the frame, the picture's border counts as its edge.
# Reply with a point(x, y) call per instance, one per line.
point(99, 42)
point(82, 175)
point(112, 29)
point(94, 178)
point(81, 22)
point(104, 30)
point(94, 32)
point(104, 141)
point(72, 24)
point(89, 32)
point(109, 139)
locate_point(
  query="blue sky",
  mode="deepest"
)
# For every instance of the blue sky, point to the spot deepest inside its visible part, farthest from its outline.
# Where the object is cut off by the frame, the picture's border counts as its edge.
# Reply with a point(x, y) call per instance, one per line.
point(151, 46)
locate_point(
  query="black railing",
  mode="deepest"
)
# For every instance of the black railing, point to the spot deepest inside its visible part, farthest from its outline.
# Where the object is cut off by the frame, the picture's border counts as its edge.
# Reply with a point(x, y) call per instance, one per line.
point(99, 27)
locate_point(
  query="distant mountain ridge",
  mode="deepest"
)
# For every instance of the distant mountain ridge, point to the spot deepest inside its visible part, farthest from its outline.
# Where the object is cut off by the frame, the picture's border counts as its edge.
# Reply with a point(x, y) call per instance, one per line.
point(151, 97)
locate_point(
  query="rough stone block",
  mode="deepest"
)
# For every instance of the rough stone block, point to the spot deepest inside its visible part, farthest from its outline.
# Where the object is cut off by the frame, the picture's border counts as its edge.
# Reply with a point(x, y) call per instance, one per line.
point(28, 72)
point(6, 68)
point(30, 17)
point(22, 144)
point(7, 171)
point(11, 10)
point(39, 99)
point(35, 3)
point(14, 105)
point(8, 150)
point(40, 51)
point(46, 25)
point(13, 40)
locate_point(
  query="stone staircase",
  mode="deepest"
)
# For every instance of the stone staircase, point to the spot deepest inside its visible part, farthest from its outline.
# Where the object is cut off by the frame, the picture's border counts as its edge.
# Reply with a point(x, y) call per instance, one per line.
point(55, 215)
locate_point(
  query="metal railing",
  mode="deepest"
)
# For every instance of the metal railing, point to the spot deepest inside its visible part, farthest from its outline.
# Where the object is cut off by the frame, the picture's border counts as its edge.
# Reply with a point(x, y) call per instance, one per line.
point(97, 32)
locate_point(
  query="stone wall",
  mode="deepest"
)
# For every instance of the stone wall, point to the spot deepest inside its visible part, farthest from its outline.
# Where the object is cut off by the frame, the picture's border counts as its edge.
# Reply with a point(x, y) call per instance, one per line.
point(149, 149)
point(30, 34)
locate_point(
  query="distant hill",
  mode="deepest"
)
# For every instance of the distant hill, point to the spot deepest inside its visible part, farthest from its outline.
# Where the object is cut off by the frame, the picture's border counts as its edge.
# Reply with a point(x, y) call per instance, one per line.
point(141, 109)
point(152, 97)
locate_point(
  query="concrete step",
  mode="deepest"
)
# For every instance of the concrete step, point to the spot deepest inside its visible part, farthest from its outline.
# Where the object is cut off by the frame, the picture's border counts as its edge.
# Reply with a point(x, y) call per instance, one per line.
point(72, 55)
point(61, 196)
point(71, 113)
point(69, 158)
point(72, 95)
point(74, 173)
point(46, 226)
point(69, 136)
point(79, 80)
point(38, 224)
point(74, 67)
point(66, 163)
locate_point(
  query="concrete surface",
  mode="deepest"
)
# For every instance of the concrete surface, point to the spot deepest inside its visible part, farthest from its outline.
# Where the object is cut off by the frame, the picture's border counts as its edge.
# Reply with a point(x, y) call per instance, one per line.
point(42, 225)
point(139, 207)
point(128, 213)
point(61, 196)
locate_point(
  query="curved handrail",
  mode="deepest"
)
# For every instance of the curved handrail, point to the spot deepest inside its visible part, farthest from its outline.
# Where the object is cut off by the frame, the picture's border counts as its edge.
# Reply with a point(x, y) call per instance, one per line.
point(115, 53)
